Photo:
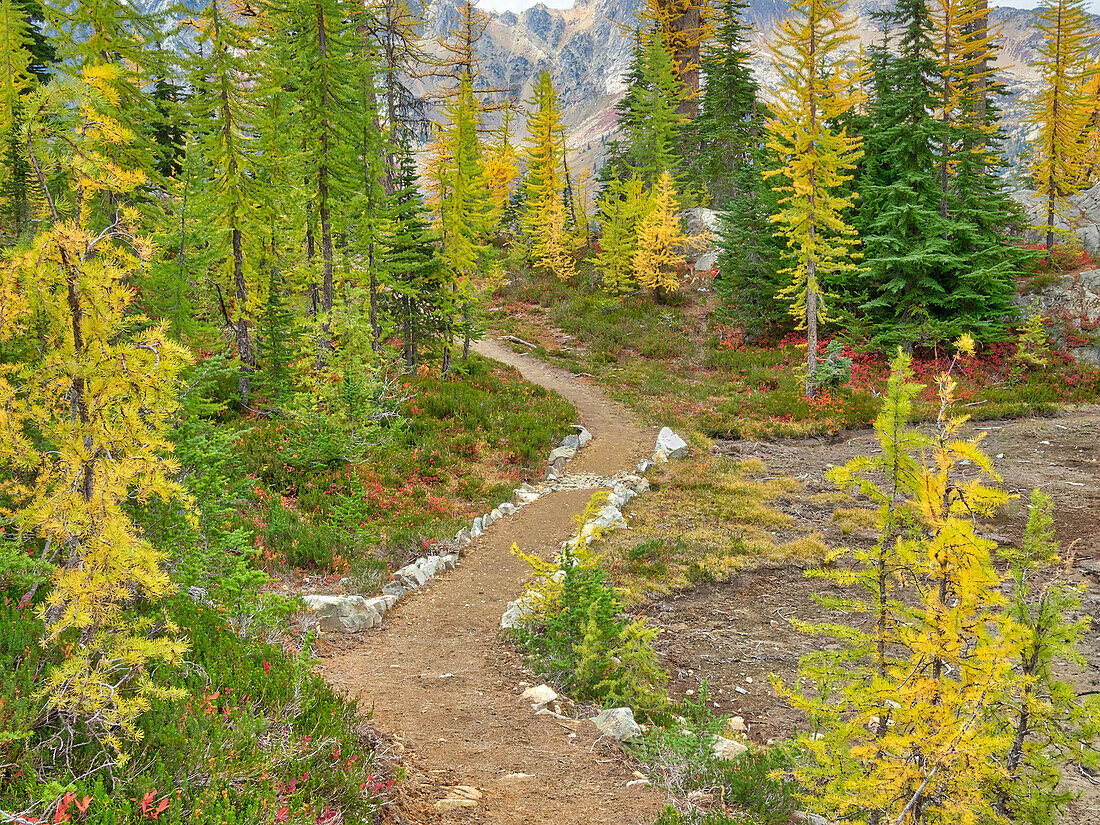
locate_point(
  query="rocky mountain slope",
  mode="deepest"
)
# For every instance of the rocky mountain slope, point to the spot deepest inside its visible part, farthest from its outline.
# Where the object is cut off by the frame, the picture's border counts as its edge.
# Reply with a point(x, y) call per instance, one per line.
point(586, 49)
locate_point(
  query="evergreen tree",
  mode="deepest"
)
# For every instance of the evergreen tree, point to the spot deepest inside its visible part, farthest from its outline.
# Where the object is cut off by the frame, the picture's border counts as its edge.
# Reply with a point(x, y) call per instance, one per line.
point(653, 122)
point(1059, 110)
point(619, 212)
point(16, 186)
point(908, 249)
point(684, 26)
point(816, 87)
point(412, 264)
point(229, 152)
point(722, 141)
point(466, 215)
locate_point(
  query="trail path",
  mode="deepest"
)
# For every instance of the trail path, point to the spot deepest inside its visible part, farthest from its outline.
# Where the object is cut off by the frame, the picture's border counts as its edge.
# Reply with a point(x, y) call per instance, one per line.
point(444, 687)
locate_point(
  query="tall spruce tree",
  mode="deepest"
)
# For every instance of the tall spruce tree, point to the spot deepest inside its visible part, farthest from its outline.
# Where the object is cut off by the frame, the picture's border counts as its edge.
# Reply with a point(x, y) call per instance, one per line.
point(412, 264)
point(722, 141)
point(16, 185)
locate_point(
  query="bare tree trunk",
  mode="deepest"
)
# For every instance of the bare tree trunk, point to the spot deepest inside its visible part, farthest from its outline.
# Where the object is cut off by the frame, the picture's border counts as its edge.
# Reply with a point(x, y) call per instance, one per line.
point(245, 351)
point(324, 210)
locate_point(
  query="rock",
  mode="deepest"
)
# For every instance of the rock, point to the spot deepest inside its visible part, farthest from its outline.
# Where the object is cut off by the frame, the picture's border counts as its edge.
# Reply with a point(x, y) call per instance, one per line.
point(539, 696)
point(701, 227)
point(341, 614)
point(477, 527)
point(496, 514)
point(1076, 296)
point(512, 617)
point(610, 516)
point(197, 594)
point(380, 604)
point(389, 599)
point(558, 465)
point(429, 566)
point(645, 465)
point(724, 748)
point(806, 818)
point(583, 436)
point(449, 562)
point(507, 508)
point(572, 441)
point(618, 723)
point(1088, 565)
point(410, 576)
point(707, 262)
point(395, 589)
point(671, 444)
point(1078, 213)
point(462, 537)
point(660, 457)
point(564, 453)
point(737, 725)
point(460, 796)
point(527, 496)
point(487, 521)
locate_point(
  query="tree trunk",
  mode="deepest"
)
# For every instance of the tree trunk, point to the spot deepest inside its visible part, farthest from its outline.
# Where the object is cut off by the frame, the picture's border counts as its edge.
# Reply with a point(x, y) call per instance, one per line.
point(245, 352)
point(324, 209)
point(811, 334)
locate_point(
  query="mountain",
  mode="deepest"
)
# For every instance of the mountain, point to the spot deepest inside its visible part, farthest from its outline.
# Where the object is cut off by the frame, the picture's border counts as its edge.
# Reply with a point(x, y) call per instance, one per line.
point(586, 49)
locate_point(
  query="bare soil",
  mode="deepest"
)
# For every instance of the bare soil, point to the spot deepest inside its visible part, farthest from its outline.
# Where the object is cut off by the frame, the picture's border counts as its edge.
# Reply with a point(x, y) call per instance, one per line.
point(443, 688)
point(737, 634)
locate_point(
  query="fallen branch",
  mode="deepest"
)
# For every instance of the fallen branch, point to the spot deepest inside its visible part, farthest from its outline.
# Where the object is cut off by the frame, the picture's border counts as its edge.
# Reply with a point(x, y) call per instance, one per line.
point(520, 341)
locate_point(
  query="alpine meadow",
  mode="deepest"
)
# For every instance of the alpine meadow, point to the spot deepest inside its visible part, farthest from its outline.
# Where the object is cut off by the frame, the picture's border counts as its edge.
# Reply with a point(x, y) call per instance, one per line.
point(647, 412)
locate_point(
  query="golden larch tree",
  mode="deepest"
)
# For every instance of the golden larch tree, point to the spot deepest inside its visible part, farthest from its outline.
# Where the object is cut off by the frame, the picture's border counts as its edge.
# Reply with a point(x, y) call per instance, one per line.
point(1060, 109)
point(813, 55)
point(659, 255)
point(100, 397)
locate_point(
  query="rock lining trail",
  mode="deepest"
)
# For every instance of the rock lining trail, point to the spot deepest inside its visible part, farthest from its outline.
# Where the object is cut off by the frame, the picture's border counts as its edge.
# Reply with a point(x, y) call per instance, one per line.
point(443, 687)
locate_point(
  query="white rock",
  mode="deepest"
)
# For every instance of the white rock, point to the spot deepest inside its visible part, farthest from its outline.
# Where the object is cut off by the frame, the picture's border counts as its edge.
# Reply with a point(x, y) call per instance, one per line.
point(462, 537)
point(707, 261)
point(340, 614)
point(618, 723)
point(478, 526)
point(527, 496)
point(513, 616)
point(449, 562)
point(429, 566)
point(539, 696)
point(496, 514)
point(610, 516)
point(582, 434)
point(565, 453)
point(660, 457)
point(671, 444)
point(507, 508)
point(573, 441)
point(380, 604)
point(737, 725)
point(645, 465)
point(727, 748)
point(487, 521)
point(411, 576)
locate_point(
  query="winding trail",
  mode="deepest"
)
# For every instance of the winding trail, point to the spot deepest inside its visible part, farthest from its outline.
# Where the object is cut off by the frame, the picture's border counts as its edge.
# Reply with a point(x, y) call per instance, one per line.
point(444, 688)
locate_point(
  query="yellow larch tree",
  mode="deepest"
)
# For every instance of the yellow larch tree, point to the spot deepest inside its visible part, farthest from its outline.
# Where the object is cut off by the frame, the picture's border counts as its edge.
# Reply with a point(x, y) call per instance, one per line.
point(964, 47)
point(813, 56)
point(544, 219)
point(660, 241)
point(684, 26)
point(99, 396)
point(1060, 109)
point(502, 165)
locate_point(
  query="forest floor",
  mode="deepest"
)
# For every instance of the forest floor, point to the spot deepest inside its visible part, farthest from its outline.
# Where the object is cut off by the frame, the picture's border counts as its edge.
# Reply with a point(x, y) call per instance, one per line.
point(443, 687)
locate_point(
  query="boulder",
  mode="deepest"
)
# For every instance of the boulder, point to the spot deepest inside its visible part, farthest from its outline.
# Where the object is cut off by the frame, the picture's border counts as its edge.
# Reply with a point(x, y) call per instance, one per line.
point(563, 452)
point(478, 525)
point(645, 465)
point(707, 262)
point(573, 441)
point(610, 516)
point(429, 566)
point(507, 508)
point(583, 436)
point(462, 537)
point(1074, 296)
point(512, 617)
point(395, 589)
point(1079, 214)
point(527, 496)
point(671, 444)
point(701, 228)
point(449, 562)
point(411, 576)
point(618, 723)
point(724, 748)
point(539, 696)
point(340, 614)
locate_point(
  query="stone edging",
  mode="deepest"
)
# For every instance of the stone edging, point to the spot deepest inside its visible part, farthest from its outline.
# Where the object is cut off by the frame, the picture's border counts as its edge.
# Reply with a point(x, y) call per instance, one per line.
point(354, 614)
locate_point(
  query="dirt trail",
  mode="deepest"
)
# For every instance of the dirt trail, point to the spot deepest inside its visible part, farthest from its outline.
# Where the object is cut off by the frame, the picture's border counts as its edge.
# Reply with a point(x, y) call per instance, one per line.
point(444, 688)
